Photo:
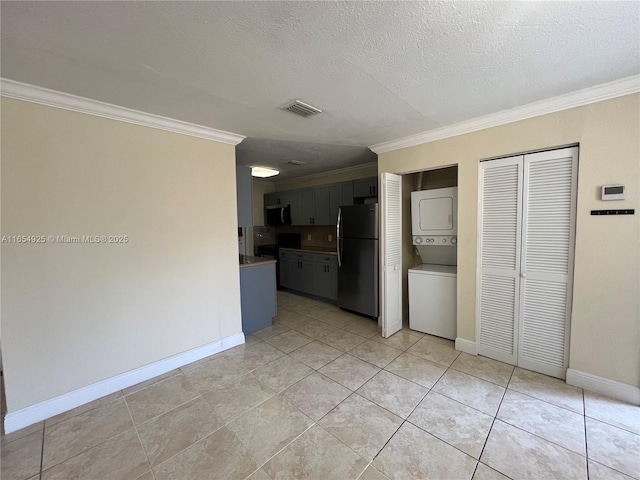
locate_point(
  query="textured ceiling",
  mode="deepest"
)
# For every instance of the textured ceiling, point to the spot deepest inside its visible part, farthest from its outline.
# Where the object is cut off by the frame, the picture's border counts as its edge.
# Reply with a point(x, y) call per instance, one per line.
point(379, 70)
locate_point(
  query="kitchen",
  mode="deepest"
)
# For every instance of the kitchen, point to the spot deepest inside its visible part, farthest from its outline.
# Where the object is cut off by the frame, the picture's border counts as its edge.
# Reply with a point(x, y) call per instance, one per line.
point(309, 262)
point(296, 226)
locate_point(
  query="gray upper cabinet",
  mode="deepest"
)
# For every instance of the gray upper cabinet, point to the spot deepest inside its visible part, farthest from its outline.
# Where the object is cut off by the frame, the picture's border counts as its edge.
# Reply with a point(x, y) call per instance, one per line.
point(319, 205)
point(340, 194)
point(244, 192)
point(292, 198)
point(365, 187)
point(306, 207)
point(271, 199)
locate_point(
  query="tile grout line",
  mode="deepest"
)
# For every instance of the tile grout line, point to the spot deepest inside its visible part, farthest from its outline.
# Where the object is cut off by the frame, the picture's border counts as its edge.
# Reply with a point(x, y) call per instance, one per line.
point(541, 400)
point(624, 429)
point(135, 427)
point(44, 425)
point(443, 440)
point(493, 423)
point(586, 440)
point(88, 449)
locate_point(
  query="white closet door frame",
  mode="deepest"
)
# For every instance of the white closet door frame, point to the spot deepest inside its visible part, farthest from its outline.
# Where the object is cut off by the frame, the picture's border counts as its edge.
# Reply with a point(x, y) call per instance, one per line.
point(391, 258)
point(540, 356)
point(498, 308)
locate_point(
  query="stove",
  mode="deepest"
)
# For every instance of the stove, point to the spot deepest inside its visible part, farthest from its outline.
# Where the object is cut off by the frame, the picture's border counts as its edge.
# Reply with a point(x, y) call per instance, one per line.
point(285, 240)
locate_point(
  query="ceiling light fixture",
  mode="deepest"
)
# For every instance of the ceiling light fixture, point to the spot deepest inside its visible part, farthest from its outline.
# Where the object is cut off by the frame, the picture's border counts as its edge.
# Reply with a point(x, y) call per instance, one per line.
point(263, 172)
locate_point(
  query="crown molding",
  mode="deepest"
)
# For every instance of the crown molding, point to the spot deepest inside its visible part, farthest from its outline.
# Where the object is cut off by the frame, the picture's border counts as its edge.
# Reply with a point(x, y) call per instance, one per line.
point(329, 173)
point(599, 93)
point(52, 98)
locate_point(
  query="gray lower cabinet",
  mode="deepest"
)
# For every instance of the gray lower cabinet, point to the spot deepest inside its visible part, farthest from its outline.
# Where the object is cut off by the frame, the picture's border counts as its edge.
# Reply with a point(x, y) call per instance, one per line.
point(289, 274)
point(311, 273)
point(258, 296)
point(325, 278)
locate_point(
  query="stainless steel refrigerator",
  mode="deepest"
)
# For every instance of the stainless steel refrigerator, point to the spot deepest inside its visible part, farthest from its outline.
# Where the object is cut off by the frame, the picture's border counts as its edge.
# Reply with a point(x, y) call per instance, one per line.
point(357, 230)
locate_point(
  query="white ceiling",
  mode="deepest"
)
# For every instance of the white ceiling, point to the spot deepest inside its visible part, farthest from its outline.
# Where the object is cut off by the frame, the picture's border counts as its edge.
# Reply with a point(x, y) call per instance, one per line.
point(379, 70)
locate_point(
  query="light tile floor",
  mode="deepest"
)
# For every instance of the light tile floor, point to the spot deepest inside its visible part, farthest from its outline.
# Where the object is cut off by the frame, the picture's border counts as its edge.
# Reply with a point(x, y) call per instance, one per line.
point(321, 395)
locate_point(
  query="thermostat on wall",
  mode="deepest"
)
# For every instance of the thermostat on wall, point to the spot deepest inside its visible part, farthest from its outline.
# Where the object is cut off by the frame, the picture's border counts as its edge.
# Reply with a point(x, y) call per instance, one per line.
point(612, 192)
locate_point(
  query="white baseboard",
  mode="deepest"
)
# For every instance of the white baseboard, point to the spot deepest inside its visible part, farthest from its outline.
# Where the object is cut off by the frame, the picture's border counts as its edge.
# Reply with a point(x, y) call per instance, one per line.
point(611, 388)
point(62, 403)
point(466, 346)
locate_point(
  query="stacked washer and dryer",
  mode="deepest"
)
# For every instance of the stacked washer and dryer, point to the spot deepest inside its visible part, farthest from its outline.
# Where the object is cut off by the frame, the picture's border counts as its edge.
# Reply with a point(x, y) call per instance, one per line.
point(432, 285)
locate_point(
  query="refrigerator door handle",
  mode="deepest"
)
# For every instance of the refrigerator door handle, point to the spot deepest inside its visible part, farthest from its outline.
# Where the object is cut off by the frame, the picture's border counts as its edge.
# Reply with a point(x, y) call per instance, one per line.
point(338, 235)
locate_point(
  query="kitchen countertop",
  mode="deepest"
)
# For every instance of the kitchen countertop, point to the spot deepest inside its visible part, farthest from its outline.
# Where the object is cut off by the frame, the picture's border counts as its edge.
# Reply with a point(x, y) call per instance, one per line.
point(323, 250)
point(251, 261)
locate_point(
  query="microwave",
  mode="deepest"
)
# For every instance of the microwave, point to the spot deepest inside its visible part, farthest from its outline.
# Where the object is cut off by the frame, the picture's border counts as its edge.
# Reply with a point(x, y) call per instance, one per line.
point(279, 215)
point(434, 216)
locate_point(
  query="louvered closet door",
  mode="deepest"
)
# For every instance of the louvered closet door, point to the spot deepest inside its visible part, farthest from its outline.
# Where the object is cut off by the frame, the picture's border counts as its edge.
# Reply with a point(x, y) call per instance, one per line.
point(500, 217)
point(391, 246)
point(548, 227)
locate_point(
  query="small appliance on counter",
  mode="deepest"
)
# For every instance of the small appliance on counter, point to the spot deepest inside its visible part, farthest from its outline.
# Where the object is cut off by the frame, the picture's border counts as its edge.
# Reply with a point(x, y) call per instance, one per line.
point(357, 233)
point(432, 285)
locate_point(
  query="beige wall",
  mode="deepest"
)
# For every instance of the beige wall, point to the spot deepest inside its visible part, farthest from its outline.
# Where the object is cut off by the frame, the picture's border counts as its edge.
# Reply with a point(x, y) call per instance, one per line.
point(605, 325)
point(75, 314)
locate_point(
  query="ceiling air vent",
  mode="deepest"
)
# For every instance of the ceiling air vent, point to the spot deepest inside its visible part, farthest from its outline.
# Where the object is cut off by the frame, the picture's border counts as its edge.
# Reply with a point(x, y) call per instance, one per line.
point(301, 108)
point(295, 162)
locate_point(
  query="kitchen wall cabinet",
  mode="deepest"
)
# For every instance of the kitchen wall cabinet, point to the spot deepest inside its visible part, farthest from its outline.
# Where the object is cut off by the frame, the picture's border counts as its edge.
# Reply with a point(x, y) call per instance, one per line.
point(293, 199)
point(365, 187)
point(310, 273)
point(244, 189)
point(315, 207)
point(340, 194)
point(306, 207)
point(271, 199)
point(319, 205)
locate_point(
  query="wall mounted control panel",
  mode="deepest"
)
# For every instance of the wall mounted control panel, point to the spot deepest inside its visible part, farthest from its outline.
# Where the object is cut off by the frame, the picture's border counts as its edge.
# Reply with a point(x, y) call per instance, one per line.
point(444, 240)
point(612, 192)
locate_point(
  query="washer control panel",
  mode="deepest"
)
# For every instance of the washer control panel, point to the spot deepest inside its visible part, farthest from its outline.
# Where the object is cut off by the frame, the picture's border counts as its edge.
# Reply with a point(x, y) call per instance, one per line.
point(444, 240)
